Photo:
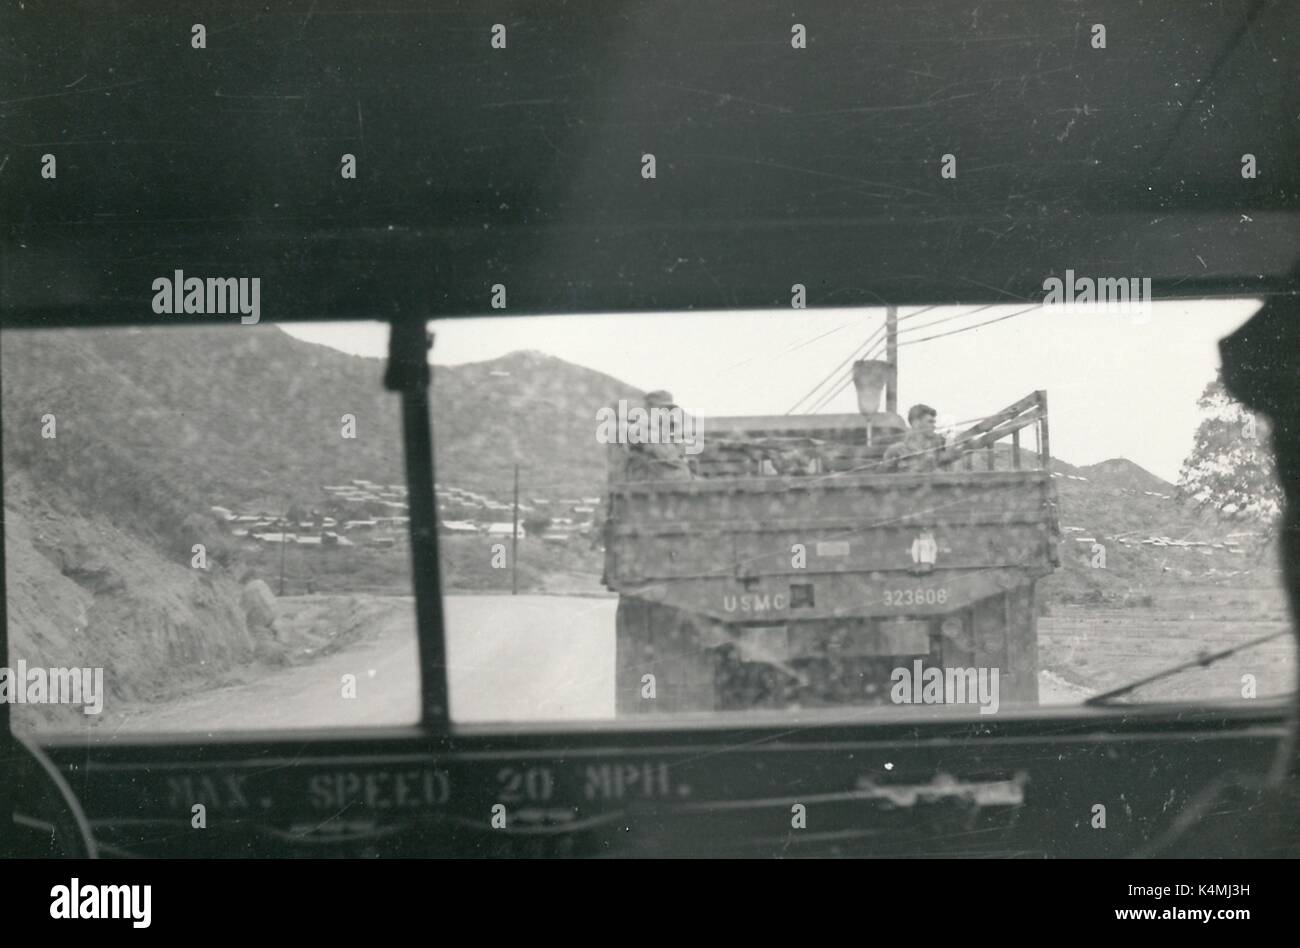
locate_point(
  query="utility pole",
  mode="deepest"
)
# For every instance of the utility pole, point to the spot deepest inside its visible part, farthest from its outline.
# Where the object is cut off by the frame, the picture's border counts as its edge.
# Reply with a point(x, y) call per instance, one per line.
point(284, 537)
point(514, 542)
point(891, 356)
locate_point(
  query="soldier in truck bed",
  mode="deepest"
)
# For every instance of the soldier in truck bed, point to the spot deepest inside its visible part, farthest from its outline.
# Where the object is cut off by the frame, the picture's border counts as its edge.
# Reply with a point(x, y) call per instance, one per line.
point(663, 456)
point(922, 449)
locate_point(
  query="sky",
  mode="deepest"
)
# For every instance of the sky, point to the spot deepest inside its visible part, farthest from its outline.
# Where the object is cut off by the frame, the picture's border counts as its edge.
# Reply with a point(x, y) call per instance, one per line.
point(1117, 385)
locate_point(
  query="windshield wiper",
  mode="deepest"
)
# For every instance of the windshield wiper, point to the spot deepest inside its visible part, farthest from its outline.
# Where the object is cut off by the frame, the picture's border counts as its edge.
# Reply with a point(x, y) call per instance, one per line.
point(1204, 660)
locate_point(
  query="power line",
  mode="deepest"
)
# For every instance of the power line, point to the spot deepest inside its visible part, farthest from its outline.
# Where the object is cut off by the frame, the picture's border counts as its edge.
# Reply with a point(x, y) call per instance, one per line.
point(948, 319)
point(809, 342)
point(924, 309)
point(988, 322)
point(833, 372)
point(834, 393)
point(864, 351)
point(878, 350)
point(796, 346)
point(872, 352)
point(829, 397)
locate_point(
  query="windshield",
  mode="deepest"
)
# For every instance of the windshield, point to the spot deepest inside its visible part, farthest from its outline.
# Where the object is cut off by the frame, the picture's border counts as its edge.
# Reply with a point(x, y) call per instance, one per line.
point(721, 514)
point(962, 510)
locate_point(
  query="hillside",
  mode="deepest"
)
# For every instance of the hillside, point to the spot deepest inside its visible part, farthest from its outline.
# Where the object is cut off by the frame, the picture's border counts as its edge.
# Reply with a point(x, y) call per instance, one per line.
point(84, 591)
point(245, 416)
point(199, 414)
point(525, 408)
point(1123, 474)
point(1154, 544)
point(117, 442)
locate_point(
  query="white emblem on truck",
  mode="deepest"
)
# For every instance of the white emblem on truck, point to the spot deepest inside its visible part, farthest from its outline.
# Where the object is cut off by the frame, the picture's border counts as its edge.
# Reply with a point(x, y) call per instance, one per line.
point(925, 550)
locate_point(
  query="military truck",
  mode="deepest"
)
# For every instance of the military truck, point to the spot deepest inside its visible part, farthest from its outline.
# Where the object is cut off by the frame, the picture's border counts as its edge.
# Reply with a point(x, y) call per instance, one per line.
point(792, 570)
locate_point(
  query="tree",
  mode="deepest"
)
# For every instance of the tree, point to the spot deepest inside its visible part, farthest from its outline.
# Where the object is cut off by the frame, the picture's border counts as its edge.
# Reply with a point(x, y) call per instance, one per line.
point(1230, 470)
point(536, 525)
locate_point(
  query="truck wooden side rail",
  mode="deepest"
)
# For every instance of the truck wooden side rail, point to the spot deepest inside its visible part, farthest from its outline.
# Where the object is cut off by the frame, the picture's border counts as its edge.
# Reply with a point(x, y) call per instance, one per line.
point(779, 589)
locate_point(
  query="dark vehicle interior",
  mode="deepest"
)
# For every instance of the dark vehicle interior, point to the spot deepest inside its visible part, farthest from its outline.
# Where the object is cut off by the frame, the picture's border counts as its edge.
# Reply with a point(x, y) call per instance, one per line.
point(776, 164)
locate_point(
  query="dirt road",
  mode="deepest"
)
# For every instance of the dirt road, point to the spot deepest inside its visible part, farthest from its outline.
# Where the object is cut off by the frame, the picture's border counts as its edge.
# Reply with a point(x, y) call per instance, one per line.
point(542, 663)
point(511, 658)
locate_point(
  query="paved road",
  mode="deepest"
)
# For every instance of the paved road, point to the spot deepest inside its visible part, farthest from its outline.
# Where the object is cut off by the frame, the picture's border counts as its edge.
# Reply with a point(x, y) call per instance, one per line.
point(511, 658)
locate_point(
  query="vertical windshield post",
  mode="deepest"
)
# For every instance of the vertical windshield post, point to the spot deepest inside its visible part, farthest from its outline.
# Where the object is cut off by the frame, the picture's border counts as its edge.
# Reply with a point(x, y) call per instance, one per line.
point(409, 374)
point(4, 635)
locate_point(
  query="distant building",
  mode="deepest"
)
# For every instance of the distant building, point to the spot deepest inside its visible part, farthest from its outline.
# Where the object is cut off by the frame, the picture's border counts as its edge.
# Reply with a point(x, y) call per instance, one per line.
point(504, 530)
point(459, 526)
point(276, 537)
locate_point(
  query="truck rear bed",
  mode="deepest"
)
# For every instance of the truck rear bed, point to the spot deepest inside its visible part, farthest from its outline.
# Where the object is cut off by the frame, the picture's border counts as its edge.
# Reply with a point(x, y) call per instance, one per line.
point(829, 547)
